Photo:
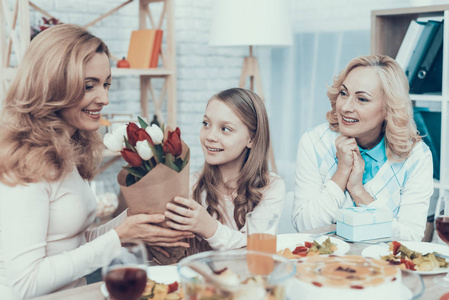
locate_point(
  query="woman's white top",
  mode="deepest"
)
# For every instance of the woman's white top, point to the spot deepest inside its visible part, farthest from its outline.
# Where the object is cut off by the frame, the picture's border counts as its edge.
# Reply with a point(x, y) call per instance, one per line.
point(228, 236)
point(403, 187)
point(45, 244)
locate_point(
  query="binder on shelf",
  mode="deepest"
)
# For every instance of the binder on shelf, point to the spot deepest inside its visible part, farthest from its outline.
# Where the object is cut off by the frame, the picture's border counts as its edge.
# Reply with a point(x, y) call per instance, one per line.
point(431, 66)
point(409, 43)
point(424, 42)
point(156, 49)
point(140, 48)
point(428, 124)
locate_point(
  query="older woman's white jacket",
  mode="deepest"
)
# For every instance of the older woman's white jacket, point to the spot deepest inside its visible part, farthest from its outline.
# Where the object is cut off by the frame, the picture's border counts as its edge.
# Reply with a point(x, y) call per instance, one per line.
point(403, 187)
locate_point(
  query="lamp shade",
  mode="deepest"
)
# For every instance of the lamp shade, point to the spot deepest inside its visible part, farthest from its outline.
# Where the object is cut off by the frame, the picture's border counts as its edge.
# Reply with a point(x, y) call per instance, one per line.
point(250, 22)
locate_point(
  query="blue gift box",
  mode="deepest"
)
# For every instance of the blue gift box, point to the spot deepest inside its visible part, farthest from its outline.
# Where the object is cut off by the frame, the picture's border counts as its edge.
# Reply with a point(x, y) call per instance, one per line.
point(363, 223)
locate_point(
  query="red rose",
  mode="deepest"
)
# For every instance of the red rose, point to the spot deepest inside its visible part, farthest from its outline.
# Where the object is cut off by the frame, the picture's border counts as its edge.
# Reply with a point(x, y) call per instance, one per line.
point(132, 130)
point(142, 135)
point(131, 157)
point(173, 142)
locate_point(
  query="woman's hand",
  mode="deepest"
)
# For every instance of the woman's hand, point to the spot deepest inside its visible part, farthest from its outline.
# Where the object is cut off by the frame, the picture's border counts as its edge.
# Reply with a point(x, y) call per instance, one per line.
point(190, 216)
point(355, 181)
point(345, 147)
point(141, 227)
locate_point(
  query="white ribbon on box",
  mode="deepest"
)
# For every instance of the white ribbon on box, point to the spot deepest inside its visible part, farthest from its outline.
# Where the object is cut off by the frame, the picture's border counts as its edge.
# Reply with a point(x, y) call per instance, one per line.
point(355, 216)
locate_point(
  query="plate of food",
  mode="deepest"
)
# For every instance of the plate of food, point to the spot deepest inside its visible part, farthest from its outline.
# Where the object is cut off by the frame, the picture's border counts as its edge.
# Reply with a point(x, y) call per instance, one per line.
point(297, 245)
point(163, 283)
point(418, 257)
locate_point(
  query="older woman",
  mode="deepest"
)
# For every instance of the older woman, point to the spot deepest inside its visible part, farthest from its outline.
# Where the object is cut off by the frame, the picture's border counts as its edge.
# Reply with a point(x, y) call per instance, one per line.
point(50, 148)
point(370, 153)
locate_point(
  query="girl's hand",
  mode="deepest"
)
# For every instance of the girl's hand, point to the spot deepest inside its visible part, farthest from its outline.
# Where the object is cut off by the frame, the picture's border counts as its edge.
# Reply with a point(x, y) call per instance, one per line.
point(141, 227)
point(355, 181)
point(345, 146)
point(190, 216)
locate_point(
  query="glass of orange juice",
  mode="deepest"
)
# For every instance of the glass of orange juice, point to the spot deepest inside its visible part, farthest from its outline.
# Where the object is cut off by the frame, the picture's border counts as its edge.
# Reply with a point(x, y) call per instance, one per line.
point(261, 236)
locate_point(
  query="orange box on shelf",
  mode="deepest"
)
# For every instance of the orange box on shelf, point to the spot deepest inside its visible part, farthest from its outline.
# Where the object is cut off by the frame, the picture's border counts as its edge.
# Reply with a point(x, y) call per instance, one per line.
point(156, 49)
point(140, 48)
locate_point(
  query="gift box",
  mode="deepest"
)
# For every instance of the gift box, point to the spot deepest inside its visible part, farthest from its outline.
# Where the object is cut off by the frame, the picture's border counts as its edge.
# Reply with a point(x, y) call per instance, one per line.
point(363, 223)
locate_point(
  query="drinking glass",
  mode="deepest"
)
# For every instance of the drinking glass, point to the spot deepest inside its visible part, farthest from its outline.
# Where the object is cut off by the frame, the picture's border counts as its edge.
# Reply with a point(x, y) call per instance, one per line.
point(442, 227)
point(261, 236)
point(126, 275)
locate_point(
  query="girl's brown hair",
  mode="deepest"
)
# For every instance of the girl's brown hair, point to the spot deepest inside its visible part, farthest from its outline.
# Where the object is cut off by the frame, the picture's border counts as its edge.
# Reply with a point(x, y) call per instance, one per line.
point(400, 130)
point(36, 143)
point(253, 176)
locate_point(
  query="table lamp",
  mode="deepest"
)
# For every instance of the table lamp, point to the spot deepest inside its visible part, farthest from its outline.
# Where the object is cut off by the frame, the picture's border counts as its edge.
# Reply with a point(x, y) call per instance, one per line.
point(251, 23)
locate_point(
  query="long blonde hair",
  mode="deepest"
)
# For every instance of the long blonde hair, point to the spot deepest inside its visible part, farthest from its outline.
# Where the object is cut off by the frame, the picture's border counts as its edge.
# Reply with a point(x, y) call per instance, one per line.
point(400, 130)
point(254, 173)
point(36, 143)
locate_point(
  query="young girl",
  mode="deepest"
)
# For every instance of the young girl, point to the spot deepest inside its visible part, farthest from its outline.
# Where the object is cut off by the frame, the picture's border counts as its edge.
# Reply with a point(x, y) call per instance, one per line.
point(235, 179)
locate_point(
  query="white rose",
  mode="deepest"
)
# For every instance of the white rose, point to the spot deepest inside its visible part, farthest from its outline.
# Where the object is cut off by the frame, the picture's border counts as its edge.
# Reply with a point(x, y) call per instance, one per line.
point(121, 131)
point(113, 142)
point(156, 134)
point(144, 150)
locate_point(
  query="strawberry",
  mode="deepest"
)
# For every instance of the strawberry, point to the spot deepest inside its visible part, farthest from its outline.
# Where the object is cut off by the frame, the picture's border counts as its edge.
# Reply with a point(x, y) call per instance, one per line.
point(173, 287)
point(396, 246)
point(300, 249)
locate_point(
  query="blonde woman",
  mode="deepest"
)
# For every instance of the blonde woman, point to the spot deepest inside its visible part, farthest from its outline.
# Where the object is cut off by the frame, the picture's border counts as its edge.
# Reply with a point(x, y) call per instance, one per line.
point(50, 149)
point(370, 153)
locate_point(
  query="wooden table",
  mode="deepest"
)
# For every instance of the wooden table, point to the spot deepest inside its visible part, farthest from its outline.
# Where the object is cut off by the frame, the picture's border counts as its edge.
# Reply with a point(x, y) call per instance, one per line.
point(92, 291)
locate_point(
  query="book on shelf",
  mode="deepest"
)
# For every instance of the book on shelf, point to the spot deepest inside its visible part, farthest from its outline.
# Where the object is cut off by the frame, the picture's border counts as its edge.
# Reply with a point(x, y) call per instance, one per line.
point(428, 124)
point(423, 45)
point(409, 43)
point(156, 49)
point(140, 48)
point(428, 78)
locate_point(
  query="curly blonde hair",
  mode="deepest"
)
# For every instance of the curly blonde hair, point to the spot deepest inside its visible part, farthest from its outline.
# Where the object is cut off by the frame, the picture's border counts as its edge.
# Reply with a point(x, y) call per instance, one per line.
point(400, 130)
point(254, 175)
point(36, 142)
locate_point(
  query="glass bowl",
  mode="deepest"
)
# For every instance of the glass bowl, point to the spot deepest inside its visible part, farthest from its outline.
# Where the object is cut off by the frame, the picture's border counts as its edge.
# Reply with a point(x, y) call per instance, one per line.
point(240, 269)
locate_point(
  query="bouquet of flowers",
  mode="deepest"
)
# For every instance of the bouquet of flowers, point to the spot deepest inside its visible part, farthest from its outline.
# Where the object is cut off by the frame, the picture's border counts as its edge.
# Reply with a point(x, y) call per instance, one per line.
point(158, 171)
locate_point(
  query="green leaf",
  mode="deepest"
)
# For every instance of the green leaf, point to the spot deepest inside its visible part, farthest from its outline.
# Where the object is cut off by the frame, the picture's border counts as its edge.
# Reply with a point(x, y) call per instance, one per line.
point(169, 162)
point(130, 179)
point(163, 127)
point(186, 159)
point(158, 155)
point(147, 165)
point(138, 172)
point(128, 145)
point(142, 123)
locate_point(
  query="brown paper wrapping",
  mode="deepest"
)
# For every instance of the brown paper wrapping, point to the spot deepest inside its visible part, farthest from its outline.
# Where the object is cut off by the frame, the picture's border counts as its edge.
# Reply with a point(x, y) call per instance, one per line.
point(151, 194)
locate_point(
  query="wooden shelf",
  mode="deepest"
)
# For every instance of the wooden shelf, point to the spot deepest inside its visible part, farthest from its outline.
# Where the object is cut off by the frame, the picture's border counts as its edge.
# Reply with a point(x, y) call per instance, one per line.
point(428, 97)
point(141, 72)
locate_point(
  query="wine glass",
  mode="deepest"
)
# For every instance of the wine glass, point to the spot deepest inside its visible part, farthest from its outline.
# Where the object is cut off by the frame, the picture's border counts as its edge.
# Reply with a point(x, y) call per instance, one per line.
point(442, 227)
point(126, 275)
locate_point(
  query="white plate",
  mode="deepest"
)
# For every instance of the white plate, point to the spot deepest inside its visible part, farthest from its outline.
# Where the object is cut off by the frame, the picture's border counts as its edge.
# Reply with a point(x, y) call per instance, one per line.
point(412, 287)
point(292, 240)
point(160, 274)
point(376, 251)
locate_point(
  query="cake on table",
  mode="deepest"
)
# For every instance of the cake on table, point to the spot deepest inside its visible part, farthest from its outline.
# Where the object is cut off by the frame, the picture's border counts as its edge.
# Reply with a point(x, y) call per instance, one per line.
point(345, 277)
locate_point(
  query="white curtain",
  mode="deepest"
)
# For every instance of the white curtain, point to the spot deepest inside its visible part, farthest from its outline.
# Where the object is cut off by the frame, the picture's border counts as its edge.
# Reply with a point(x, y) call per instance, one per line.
point(297, 99)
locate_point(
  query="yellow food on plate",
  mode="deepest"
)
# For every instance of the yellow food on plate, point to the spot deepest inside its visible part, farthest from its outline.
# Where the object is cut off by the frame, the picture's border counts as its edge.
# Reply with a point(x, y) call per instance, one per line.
point(309, 249)
point(161, 291)
point(406, 258)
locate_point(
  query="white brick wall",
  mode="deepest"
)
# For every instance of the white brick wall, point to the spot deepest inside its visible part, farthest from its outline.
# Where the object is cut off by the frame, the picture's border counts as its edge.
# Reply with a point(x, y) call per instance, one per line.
point(201, 70)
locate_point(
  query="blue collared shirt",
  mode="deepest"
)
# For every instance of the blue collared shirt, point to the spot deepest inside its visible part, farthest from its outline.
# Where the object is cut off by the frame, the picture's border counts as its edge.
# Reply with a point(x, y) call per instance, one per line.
point(374, 159)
